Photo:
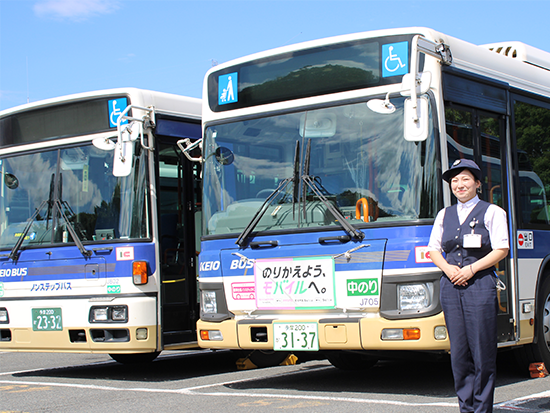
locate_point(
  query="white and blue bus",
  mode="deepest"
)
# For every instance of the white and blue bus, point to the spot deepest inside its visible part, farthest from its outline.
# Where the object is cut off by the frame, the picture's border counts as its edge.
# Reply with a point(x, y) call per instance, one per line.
point(98, 215)
point(322, 166)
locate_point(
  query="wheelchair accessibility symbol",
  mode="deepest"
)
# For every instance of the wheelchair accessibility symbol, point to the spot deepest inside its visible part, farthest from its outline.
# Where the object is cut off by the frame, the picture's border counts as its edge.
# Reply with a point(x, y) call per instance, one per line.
point(116, 106)
point(396, 59)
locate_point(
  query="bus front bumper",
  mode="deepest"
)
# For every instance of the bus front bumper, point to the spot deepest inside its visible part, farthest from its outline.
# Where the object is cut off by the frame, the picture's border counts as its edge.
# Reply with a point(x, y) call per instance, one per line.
point(365, 333)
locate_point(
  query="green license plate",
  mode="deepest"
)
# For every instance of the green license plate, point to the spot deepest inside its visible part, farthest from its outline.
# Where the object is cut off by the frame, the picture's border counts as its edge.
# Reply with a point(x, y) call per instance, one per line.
point(47, 319)
point(295, 337)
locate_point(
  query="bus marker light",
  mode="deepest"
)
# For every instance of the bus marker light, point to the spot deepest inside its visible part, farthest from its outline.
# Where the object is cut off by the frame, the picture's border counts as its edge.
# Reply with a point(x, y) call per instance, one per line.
point(141, 334)
point(139, 272)
point(211, 335)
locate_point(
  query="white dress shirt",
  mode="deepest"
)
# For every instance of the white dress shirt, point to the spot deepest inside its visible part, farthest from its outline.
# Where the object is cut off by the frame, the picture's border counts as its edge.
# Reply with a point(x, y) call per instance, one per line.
point(494, 219)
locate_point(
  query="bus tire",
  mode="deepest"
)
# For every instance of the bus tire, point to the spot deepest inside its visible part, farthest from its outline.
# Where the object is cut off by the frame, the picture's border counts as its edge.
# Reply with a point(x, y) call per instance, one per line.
point(346, 360)
point(262, 358)
point(538, 351)
point(136, 358)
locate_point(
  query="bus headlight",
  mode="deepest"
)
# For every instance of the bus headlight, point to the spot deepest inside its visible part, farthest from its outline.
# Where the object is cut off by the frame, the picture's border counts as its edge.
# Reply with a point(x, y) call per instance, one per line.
point(99, 315)
point(4, 318)
point(109, 314)
point(119, 313)
point(414, 296)
point(208, 302)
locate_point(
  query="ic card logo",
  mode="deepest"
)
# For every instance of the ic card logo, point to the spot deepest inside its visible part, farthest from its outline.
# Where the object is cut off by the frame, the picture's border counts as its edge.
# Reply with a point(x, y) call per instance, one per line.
point(125, 253)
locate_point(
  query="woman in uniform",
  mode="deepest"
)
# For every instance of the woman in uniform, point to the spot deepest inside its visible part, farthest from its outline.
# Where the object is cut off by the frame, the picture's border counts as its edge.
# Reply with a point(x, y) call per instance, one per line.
point(474, 236)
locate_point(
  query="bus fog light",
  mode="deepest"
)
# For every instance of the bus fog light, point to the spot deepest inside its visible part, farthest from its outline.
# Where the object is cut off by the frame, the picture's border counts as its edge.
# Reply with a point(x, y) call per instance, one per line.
point(208, 302)
point(100, 314)
point(440, 333)
point(141, 334)
point(392, 334)
point(211, 335)
point(4, 318)
point(414, 296)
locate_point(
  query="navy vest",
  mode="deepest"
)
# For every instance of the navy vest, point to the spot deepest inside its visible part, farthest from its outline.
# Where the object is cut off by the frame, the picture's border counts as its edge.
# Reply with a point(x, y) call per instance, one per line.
point(453, 233)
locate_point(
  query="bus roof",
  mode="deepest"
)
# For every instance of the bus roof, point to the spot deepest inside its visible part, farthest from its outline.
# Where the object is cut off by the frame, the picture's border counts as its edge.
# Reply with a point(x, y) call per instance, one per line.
point(528, 68)
point(161, 100)
point(522, 52)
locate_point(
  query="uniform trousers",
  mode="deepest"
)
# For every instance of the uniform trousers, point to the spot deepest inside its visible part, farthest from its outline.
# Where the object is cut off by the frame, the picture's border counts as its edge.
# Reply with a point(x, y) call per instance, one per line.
point(471, 319)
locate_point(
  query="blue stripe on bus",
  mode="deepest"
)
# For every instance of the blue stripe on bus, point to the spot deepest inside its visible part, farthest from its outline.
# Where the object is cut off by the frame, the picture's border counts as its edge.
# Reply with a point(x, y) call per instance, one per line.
point(388, 247)
point(66, 263)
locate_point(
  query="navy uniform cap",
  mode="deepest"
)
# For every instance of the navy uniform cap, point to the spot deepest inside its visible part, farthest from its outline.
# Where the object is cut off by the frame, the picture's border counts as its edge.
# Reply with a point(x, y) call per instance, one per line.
point(458, 166)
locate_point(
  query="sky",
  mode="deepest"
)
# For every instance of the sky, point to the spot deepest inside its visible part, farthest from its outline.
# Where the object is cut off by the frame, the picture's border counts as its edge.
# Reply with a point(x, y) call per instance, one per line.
point(51, 48)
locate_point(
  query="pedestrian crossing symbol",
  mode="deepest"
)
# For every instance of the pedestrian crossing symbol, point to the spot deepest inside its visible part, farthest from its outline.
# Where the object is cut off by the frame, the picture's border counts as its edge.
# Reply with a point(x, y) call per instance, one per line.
point(227, 88)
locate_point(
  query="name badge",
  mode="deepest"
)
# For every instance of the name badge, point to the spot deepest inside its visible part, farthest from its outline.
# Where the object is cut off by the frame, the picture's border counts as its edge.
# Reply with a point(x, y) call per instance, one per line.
point(471, 241)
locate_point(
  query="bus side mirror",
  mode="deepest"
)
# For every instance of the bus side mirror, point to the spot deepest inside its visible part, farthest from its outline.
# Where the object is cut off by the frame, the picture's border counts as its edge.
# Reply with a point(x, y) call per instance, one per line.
point(11, 181)
point(416, 120)
point(124, 155)
point(124, 149)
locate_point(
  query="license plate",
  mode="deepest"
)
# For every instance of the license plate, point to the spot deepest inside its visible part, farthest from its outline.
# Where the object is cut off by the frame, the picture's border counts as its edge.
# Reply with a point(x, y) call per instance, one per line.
point(295, 337)
point(47, 319)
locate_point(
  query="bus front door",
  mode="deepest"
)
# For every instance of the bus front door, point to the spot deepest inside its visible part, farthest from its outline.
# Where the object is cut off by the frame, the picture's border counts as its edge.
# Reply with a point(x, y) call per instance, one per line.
point(178, 190)
point(480, 135)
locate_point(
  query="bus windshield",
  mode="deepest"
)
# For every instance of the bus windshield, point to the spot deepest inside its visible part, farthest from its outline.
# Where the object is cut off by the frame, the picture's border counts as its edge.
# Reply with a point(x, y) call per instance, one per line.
point(79, 182)
point(358, 160)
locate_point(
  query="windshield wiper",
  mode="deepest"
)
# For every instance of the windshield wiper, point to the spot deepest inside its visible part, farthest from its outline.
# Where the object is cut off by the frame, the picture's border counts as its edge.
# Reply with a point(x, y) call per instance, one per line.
point(14, 254)
point(312, 184)
point(241, 241)
point(71, 230)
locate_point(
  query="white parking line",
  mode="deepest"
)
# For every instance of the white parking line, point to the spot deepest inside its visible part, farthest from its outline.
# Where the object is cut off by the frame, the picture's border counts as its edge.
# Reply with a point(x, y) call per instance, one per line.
point(195, 391)
point(515, 404)
point(189, 392)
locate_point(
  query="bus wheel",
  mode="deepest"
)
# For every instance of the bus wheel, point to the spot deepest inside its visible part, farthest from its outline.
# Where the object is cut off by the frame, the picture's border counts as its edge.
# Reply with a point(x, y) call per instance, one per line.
point(263, 358)
point(135, 358)
point(346, 360)
point(539, 351)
